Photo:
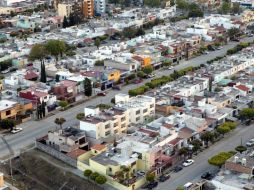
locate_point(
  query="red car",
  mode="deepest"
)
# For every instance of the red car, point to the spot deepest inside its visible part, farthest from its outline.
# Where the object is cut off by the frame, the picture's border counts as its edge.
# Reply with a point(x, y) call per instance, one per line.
point(101, 94)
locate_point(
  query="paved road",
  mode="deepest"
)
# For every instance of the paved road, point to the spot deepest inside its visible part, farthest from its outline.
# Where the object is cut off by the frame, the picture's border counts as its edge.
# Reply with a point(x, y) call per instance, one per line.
point(193, 172)
point(35, 129)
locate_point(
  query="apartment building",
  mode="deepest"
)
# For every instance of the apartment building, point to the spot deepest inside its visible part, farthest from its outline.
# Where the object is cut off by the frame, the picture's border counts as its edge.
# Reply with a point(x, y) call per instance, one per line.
point(140, 108)
point(102, 124)
point(64, 9)
point(100, 6)
point(88, 8)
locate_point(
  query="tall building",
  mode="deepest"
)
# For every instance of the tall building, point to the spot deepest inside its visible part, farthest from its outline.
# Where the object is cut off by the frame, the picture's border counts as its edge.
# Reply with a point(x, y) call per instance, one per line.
point(64, 9)
point(100, 6)
point(88, 8)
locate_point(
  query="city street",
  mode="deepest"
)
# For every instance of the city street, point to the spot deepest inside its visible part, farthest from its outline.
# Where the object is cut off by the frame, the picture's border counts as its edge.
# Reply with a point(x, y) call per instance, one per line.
point(193, 172)
point(35, 129)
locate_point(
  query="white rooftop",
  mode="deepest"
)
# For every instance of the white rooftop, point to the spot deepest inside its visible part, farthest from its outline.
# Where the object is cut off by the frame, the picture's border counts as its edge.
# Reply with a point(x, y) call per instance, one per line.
point(6, 104)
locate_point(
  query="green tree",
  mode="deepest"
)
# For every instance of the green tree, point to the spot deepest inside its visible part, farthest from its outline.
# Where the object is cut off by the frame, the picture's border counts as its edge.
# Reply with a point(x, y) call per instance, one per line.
point(183, 152)
point(223, 129)
point(182, 4)
point(148, 69)
point(65, 22)
point(88, 87)
point(100, 179)
point(132, 50)
point(43, 73)
point(150, 177)
point(7, 124)
point(166, 63)
point(141, 74)
point(87, 173)
point(97, 42)
point(207, 136)
point(99, 63)
point(196, 145)
point(60, 121)
point(180, 188)
point(56, 48)
point(236, 9)
point(246, 113)
point(63, 104)
point(38, 52)
point(152, 3)
point(233, 32)
point(195, 11)
point(240, 149)
point(224, 8)
point(80, 116)
point(94, 175)
point(129, 32)
point(220, 159)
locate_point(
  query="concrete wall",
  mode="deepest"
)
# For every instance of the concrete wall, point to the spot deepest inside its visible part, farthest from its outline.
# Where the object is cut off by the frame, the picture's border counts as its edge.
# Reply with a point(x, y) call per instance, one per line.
point(56, 154)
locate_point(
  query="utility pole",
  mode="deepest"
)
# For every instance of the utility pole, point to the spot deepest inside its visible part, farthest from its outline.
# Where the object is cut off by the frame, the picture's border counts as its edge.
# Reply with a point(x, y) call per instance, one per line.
point(11, 154)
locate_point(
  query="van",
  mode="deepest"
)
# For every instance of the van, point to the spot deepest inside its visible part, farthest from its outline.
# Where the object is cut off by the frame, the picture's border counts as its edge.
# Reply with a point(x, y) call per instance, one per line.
point(187, 185)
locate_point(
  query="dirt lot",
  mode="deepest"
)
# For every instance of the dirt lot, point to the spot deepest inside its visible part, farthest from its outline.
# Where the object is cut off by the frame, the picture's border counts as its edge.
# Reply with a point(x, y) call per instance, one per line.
point(35, 170)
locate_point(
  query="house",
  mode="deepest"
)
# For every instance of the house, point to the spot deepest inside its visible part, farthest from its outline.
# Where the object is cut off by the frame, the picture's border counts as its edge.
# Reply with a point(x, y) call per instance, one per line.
point(143, 60)
point(37, 95)
point(18, 110)
point(67, 140)
point(65, 90)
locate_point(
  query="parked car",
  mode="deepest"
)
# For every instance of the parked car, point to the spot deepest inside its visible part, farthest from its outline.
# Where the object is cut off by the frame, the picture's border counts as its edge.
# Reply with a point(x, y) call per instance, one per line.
point(219, 48)
point(5, 71)
point(101, 94)
point(141, 173)
point(137, 81)
point(16, 130)
point(206, 52)
point(236, 40)
point(177, 168)
point(170, 68)
point(207, 176)
point(163, 178)
point(152, 185)
point(188, 162)
point(117, 87)
point(250, 143)
point(247, 122)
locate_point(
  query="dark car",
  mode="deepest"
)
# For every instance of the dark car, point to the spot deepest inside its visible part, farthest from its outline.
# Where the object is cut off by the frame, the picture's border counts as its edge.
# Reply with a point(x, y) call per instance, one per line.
point(101, 94)
point(152, 185)
point(116, 87)
point(177, 168)
point(207, 176)
point(164, 178)
point(137, 81)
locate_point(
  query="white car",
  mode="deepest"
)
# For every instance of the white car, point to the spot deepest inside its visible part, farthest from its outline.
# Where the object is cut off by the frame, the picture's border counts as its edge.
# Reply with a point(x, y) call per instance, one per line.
point(188, 162)
point(16, 130)
point(170, 68)
point(250, 142)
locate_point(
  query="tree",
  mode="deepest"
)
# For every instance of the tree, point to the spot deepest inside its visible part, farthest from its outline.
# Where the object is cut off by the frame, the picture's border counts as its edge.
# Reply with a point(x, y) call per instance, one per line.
point(80, 116)
point(233, 32)
point(180, 188)
point(207, 136)
point(87, 173)
point(246, 113)
point(88, 87)
point(223, 129)
point(240, 149)
point(100, 179)
point(152, 3)
point(60, 121)
point(182, 4)
point(196, 145)
point(150, 177)
point(195, 11)
point(141, 74)
point(166, 63)
point(94, 175)
point(97, 42)
point(148, 69)
point(43, 73)
point(183, 151)
point(7, 124)
point(225, 8)
point(63, 104)
point(132, 50)
point(140, 32)
point(65, 22)
point(55, 47)
point(38, 52)
point(220, 159)
point(236, 9)
point(129, 32)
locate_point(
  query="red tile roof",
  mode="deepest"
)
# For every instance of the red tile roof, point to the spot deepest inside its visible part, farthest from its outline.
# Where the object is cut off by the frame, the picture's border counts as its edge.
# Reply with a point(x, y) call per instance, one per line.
point(242, 87)
point(98, 147)
point(168, 126)
point(68, 83)
point(30, 75)
point(175, 141)
point(76, 153)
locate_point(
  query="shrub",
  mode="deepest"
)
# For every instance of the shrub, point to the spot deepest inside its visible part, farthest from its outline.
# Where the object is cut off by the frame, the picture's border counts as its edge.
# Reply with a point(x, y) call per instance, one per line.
point(94, 175)
point(100, 179)
point(220, 159)
point(80, 116)
point(87, 173)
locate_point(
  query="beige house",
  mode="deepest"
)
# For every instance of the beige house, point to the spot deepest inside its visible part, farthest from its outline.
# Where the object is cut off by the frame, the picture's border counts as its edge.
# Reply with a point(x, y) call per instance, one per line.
point(64, 9)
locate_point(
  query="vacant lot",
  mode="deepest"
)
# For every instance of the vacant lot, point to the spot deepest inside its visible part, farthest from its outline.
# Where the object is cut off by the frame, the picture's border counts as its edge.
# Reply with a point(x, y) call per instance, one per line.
point(36, 170)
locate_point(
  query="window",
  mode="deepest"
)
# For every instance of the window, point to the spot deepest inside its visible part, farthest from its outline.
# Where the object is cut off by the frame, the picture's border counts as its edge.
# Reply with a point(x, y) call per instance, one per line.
point(8, 112)
point(137, 112)
point(115, 124)
point(110, 169)
point(145, 110)
point(115, 131)
point(123, 125)
point(107, 126)
point(107, 133)
point(151, 106)
point(138, 118)
point(123, 119)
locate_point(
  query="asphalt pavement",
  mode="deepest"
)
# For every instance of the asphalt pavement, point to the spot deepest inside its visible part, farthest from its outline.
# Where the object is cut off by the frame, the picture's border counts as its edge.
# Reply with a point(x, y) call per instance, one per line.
point(35, 129)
